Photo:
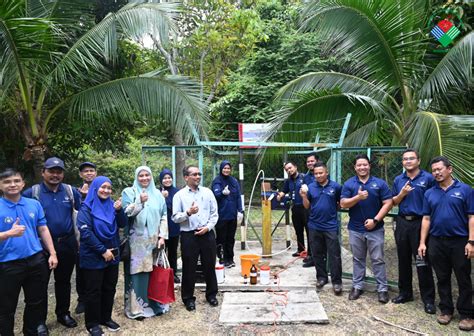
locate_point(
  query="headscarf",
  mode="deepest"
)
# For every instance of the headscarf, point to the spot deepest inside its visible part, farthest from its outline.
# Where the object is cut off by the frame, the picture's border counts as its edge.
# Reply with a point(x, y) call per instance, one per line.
point(102, 210)
point(227, 180)
point(152, 212)
point(171, 190)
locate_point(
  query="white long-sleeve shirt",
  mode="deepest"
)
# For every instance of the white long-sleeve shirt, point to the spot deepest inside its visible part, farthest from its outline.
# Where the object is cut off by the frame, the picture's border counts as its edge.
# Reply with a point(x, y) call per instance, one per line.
point(204, 199)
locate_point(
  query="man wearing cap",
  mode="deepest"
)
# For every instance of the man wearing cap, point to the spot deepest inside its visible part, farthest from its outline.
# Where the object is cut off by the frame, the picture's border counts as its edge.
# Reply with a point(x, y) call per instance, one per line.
point(87, 172)
point(58, 200)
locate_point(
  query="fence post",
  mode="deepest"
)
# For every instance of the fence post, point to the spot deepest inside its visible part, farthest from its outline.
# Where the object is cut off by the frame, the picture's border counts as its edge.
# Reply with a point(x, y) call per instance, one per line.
point(243, 232)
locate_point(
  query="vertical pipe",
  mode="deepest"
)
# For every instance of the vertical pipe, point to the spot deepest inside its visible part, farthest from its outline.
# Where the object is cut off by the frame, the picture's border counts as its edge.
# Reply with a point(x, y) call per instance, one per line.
point(243, 232)
point(201, 165)
point(266, 226)
point(287, 210)
point(173, 162)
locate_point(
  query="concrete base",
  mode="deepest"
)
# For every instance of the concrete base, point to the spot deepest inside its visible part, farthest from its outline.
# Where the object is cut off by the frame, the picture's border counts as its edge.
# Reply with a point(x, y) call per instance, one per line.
point(296, 306)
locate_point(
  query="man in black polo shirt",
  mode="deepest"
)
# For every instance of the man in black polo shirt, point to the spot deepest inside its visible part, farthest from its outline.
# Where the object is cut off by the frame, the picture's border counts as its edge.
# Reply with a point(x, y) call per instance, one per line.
point(448, 218)
point(408, 192)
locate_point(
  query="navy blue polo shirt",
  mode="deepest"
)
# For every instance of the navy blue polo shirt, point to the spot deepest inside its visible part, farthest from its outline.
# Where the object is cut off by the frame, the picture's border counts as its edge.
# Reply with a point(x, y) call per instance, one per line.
point(412, 204)
point(58, 208)
point(309, 178)
point(31, 216)
point(324, 204)
point(449, 209)
point(292, 186)
point(368, 208)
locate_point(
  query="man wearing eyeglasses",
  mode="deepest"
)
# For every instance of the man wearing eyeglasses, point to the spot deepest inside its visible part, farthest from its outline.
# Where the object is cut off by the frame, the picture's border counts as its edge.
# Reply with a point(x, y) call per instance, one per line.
point(408, 192)
point(195, 209)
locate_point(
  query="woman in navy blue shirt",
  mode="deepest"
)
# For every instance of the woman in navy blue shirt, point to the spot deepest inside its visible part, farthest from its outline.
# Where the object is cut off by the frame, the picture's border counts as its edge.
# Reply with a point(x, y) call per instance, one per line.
point(168, 191)
point(98, 222)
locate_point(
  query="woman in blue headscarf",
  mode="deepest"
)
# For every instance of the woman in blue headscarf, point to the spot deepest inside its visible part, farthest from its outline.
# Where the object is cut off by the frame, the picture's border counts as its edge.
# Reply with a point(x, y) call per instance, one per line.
point(98, 222)
point(147, 231)
point(226, 189)
point(168, 191)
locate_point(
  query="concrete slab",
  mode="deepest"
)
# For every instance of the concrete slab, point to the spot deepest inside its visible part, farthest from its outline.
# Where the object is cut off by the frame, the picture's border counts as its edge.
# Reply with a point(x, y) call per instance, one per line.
point(295, 306)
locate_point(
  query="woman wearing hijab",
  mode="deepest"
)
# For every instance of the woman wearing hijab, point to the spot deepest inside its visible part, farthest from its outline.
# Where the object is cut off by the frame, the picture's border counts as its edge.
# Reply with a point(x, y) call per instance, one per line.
point(226, 189)
point(147, 231)
point(168, 191)
point(98, 222)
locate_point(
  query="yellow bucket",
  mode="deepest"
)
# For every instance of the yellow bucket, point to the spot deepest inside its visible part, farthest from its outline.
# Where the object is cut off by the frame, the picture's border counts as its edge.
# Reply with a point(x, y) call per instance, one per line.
point(246, 261)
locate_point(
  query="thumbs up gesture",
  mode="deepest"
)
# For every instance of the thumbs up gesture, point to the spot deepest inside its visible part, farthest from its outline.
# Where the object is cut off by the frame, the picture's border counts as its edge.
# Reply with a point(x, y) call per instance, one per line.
point(118, 204)
point(17, 230)
point(226, 190)
point(193, 209)
point(143, 197)
point(407, 188)
point(363, 194)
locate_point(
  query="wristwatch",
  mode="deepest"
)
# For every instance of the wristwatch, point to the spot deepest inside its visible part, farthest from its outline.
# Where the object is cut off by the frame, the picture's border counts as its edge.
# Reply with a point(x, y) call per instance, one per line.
point(376, 221)
point(471, 242)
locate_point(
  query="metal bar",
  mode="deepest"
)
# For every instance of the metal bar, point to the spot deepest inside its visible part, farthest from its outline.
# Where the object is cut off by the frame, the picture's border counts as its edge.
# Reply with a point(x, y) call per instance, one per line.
point(344, 129)
point(279, 221)
point(201, 163)
point(173, 162)
point(242, 196)
point(267, 144)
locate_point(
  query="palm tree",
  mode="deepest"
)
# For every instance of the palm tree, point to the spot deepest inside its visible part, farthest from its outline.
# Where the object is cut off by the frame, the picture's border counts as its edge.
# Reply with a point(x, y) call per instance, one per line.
point(55, 64)
point(398, 90)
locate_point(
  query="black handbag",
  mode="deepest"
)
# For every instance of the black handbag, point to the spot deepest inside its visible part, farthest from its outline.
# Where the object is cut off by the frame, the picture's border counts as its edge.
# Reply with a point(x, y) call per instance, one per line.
point(124, 249)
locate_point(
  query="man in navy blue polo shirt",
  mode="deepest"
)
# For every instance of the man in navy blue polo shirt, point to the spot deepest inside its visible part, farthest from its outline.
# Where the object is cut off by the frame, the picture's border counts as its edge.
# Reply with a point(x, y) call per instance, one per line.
point(448, 218)
point(311, 159)
point(22, 261)
point(369, 199)
point(323, 198)
point(58, 207)
point(408, 193)
point(292, 187)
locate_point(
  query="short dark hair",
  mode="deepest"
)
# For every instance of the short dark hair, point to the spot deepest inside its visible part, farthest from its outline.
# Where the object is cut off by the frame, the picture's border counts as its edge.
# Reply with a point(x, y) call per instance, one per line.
point(320, 164)
point(316, 156)
point(443, 159)
point(409, 150)
point(186, 169)
point(361, 156)
point(288, 162)
point(9, 172)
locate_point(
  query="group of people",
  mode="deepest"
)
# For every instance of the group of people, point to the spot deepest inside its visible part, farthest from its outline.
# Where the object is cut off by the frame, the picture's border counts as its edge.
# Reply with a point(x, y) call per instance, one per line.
point(40, 234)
point(54, 227)
point(434, 227)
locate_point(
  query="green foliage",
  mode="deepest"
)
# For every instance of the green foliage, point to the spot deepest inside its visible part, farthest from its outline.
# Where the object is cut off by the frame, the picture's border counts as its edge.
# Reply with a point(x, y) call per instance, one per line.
point(283, 56)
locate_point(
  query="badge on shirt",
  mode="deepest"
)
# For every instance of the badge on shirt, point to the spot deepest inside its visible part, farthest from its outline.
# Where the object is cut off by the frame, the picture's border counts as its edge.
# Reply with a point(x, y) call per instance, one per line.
point(8, 220)
point(422, 184)
point(374, 185)
point(32, 215)
point(457, 194)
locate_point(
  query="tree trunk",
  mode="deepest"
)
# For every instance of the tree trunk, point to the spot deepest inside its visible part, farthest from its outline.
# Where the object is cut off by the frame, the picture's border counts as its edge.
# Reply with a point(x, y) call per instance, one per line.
point(38, 157)
point(180, 159)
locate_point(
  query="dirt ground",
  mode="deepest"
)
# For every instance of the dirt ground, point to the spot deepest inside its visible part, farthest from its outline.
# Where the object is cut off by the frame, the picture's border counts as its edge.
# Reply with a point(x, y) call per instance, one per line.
point(346, 318)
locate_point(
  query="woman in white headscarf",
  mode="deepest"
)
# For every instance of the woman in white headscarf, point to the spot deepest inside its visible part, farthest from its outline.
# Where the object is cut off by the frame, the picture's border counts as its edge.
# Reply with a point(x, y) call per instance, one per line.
point(147, 231)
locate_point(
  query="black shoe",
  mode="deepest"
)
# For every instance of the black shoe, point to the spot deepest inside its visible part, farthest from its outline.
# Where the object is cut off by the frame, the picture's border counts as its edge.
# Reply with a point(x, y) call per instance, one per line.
point(402, 298)
point(67, 321)
point(309, 264)
point(213, 302)
point(42, 330)
point(337, 288)
point(176, 279)
point(355, 293)
point(430, 308)
point(95, 331)
point(296, 254)
point(111, 325)
point(190, 305)
point(308, 259)
point(383, 297)
point(227, 264)
point(232, 263)
point(320, 283)
point(80, 308)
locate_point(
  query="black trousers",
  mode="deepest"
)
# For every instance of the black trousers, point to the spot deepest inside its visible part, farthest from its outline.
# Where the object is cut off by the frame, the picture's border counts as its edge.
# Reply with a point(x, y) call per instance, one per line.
point(225, 230)
point(325, 246)
point(300, 222)
point(99, 291)
point(447, 255)
point(172, 249)
point(66, 250)
point(193, 247)
point(407, 238)
point(30, 274)
point(79, 282)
